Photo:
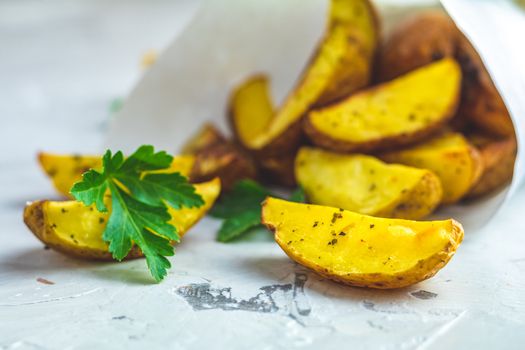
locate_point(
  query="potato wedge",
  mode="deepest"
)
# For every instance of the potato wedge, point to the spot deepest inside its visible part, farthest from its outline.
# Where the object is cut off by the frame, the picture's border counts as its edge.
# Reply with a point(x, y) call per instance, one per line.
point(250, 109)
point(215, 156)
point(361, 250)
point(498, 163)
point(426, 37)
point(278, 170)
point(450, 156)
point(207, 136)
point(396, 113)
point(481, 102)
point(65, 170)
point(340, 65)
point(76, 230)
point(366, 185)
point(415, 42)
point(225, 161)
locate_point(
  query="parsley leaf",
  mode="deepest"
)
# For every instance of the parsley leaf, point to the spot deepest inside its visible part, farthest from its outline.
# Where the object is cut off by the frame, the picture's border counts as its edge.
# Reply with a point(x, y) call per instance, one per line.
point(241, 208)
point(139, 212)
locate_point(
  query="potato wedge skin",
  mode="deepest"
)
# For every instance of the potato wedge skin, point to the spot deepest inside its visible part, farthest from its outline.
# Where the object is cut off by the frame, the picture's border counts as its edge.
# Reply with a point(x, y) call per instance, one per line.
point(450, 156)
point(366, 185)
point(365, 121)
point(216, 156)
point(83, 239)
point(340, 65)
point(416, 42)
point(278, 170)
point(425, 37)
point(362, 251)
point(225, 161)
point(498, 158)
point(481, 102)
point(208, 135)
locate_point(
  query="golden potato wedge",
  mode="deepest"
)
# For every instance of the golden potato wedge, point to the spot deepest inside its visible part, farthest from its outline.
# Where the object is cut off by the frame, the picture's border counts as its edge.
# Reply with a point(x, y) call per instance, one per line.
point(340, 65)
point(277, 170)
point(65, 169)
point(366, 185)
point(498, 163)
point(415, 42)
point(74, 229)
point(250, 109)
point(426, 37)
point(215, 156)
point(450, 156)
point(361, 250)
point(481, 102)
point(396, 113)
point(207, 136)
point(225, 161)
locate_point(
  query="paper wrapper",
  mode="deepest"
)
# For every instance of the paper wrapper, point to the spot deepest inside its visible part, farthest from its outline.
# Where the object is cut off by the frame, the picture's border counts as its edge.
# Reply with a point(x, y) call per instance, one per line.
point(228, 40)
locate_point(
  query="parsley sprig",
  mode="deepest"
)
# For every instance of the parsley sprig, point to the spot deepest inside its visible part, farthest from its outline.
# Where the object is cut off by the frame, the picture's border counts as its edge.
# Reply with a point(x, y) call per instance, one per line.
point(241, 208)
point(140, 196)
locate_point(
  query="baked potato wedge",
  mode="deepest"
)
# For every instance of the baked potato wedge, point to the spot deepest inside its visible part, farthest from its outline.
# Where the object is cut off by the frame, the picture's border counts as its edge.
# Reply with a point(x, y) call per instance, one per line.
point(366, 185)
point(429, 36)
point(341, 64)
point(65, 169)
point(250, 109)
point(207, 136)
point(397, 113)
point(450, 156)
point(498, 157)
point(225, 161)
point(74, 229)
point(415, 42)
point(361, 250)
point(215, 156)
point(278, 170)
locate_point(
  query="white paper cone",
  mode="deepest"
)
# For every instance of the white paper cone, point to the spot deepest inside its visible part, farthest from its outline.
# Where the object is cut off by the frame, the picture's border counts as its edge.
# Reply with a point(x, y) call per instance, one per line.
point(229, 40)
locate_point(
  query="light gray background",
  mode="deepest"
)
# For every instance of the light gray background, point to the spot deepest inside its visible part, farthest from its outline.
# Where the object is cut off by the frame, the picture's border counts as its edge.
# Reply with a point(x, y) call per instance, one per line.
point(61, 65)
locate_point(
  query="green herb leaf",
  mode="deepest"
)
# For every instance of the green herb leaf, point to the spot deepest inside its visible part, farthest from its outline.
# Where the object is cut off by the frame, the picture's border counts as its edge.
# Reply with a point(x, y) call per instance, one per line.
point(298, 195)
point(236, 226)
point(139, 212)
point(241, 208)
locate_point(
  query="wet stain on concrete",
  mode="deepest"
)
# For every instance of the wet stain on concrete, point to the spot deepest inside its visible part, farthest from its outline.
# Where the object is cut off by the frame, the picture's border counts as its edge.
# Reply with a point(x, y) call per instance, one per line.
point(288, 299)
point(423, 294)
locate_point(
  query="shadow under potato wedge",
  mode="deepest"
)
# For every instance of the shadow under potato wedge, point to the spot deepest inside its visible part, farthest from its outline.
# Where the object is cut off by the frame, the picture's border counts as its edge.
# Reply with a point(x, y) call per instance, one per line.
point(432, 35)
point(393, 114)
point(450, 156)
point(361, 250)
point(366, 185)
point(74, 229)
point(341, 64)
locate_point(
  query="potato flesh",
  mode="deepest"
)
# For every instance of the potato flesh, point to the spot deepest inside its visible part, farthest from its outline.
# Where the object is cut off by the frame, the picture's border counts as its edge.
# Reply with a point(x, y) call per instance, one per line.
point(66, 170)
point(75, 226)
point(364, 184)
point(405, 105)
point(450, 157)
point(358, 249)
point(351, 36)
point(251, 109)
